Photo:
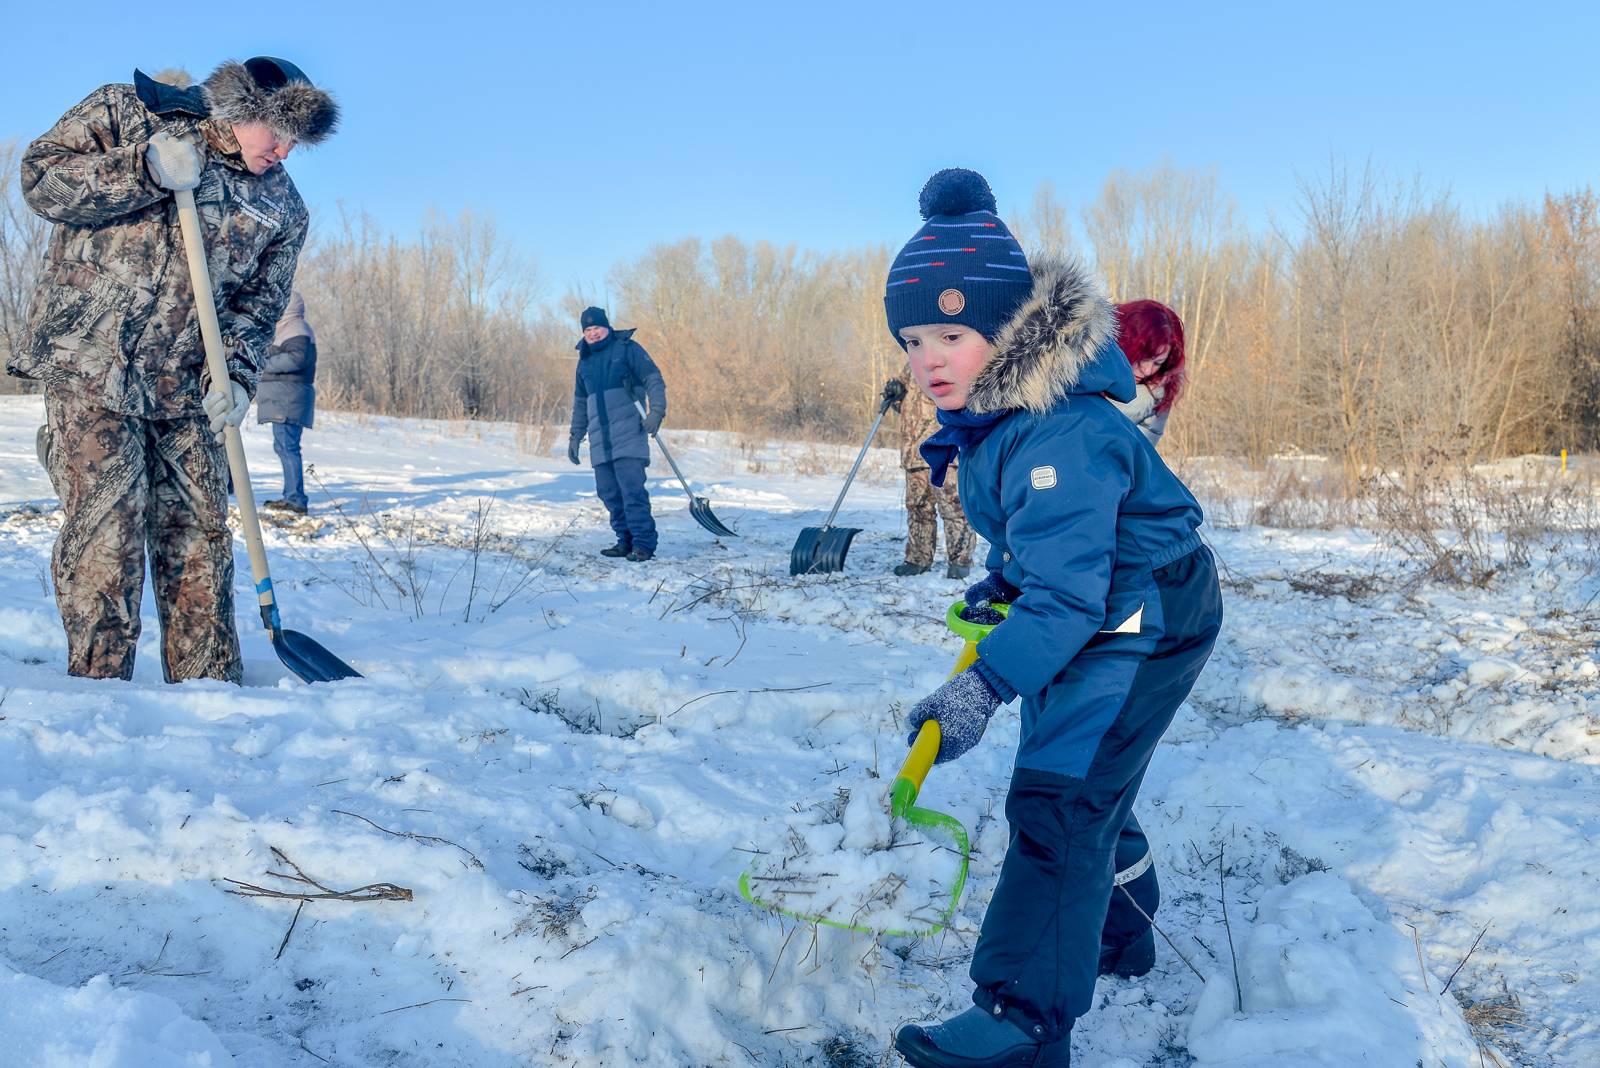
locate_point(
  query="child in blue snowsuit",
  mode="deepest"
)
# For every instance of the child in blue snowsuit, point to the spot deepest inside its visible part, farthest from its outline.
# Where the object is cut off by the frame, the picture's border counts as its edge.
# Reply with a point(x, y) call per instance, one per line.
point(1114, 609)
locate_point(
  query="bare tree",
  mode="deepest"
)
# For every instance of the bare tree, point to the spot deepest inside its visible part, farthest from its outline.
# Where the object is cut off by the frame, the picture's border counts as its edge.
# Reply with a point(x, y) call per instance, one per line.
point(22, 242)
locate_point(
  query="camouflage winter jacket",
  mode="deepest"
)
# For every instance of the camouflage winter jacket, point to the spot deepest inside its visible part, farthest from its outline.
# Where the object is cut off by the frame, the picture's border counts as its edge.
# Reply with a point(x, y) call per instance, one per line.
point(113, 319)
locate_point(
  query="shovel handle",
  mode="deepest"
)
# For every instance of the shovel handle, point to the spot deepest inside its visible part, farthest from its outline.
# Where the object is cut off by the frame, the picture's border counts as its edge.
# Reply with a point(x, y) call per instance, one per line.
point(923, 751)
point(217, 365)
point(908, 783)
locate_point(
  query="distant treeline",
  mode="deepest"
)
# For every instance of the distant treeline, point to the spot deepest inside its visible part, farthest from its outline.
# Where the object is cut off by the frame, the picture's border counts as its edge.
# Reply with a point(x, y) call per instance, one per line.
point(1380, 325)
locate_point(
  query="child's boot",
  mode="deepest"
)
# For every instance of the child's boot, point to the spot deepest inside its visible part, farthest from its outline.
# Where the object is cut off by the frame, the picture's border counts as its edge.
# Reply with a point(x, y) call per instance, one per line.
point(1131, 960)
point(978, 1039)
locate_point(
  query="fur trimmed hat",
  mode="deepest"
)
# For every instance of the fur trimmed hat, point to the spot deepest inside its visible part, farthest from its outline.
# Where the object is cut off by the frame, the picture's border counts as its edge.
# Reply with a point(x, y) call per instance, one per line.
point(275, 93)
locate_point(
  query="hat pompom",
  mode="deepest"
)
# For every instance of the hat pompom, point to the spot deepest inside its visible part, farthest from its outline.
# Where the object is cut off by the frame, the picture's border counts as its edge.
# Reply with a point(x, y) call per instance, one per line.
point(955, 191)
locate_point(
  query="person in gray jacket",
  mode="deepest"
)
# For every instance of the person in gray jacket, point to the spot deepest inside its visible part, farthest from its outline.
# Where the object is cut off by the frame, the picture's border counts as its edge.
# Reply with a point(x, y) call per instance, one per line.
point(613, 372)
point(287, 397)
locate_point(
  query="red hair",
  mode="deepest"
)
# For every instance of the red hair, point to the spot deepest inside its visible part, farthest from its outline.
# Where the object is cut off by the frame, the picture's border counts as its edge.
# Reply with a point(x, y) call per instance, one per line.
point(1145, 326)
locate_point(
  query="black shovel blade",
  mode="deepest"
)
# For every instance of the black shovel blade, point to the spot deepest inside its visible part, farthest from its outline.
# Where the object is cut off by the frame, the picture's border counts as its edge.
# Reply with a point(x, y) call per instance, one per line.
point(821, 549)
point(307, 659)
point(700, 508)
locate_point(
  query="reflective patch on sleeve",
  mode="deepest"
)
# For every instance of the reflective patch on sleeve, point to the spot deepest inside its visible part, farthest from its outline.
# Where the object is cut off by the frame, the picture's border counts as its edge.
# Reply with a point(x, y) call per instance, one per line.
point(1043, 478)
point(1131, 625)
point(1129, 874)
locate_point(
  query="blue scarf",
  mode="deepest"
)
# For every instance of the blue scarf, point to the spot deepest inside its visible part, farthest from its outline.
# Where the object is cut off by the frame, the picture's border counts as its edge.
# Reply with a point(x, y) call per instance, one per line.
point(958, 430)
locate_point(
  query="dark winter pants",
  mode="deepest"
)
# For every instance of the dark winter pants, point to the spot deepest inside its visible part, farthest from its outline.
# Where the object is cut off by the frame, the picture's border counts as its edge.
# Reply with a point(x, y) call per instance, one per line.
point(286, 443)
point(1038, 952)
point(621, 486)
point(129, 485)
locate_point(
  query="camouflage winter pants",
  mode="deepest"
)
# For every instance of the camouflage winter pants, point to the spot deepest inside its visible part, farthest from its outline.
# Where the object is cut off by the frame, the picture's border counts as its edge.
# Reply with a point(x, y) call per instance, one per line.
point(922, 502)
point(125, 483)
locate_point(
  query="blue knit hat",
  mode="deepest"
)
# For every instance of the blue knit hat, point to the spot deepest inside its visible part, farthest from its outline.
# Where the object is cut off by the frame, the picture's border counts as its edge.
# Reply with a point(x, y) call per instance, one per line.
point(963, 266)
point(593, 316)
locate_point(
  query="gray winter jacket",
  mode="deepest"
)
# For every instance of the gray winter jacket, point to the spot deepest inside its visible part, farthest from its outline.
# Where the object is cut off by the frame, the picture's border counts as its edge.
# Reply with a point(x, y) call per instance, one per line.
point(1142, 410)
point(610, 375)
point(287, 393)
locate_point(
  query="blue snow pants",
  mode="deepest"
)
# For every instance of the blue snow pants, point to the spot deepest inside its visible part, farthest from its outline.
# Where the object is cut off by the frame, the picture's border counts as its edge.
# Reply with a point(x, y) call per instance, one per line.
point(286, 443)
point(1071, 833)
point(621, 487)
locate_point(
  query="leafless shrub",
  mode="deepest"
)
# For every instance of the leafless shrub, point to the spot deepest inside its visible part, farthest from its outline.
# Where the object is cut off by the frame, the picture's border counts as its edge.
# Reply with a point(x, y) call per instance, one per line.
point(1462, 528)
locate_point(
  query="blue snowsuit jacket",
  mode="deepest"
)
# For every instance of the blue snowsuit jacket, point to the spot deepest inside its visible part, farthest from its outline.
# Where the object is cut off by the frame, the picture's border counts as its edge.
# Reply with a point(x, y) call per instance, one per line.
point(1077, 507)
point(610, 375)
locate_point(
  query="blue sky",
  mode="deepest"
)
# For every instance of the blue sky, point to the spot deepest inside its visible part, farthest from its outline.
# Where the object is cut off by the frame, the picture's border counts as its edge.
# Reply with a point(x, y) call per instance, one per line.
point(591, 131)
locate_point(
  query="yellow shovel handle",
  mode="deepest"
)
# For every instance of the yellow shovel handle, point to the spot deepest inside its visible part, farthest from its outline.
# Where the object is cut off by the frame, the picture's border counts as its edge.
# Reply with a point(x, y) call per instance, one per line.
point(926, 747)
point(908, 784)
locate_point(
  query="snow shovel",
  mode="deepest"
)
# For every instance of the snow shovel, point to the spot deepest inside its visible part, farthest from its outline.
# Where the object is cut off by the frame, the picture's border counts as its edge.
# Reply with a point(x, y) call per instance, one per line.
point(699, 507)
point(820, 549)
point(299, 654)
point(903, 806)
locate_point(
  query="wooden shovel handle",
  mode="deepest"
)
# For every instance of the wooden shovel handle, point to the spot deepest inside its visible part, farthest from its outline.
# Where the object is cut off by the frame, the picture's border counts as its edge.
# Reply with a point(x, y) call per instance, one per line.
point(217, 364)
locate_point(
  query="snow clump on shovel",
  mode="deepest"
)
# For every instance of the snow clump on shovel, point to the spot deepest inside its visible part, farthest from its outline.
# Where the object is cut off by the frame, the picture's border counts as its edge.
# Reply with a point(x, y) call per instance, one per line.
point(847, 861)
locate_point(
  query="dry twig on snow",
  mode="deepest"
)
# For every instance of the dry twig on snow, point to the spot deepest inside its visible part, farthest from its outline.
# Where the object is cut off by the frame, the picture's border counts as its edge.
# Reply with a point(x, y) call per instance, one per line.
point(361, 894)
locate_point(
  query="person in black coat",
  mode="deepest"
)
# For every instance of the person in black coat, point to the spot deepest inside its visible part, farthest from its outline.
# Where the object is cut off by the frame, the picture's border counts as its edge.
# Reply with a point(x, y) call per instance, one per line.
point(287, 396)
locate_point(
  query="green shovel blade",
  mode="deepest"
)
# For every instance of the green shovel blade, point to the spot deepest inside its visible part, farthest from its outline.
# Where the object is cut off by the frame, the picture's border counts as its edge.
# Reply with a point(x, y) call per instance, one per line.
point(939, 824)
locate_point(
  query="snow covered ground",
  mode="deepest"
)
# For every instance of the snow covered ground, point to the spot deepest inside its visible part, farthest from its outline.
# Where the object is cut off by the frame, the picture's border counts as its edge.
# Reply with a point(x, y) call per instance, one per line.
point(566, 760)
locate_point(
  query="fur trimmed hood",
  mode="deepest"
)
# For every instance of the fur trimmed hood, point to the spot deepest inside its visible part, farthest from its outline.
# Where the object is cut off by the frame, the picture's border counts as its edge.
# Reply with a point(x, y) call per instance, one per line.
point(1060, 341)
point(295, 109)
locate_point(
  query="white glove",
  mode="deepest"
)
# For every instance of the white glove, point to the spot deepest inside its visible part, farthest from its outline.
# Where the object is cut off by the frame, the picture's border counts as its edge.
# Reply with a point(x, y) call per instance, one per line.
point(174, 164)
point(226, 409)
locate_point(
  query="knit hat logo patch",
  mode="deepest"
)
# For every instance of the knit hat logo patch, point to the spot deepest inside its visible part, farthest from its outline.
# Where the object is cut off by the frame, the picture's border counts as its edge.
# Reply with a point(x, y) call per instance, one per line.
point(952, 301)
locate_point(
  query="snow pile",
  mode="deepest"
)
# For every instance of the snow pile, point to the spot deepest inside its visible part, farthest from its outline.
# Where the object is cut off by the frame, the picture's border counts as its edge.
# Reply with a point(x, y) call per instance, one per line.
point(848, 861)
point(99, 1026)
point(1325, 982)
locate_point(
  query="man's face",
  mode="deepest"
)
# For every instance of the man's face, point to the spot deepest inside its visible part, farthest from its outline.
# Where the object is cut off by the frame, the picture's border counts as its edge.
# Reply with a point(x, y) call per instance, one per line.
point(944, 360)
point(261, 148)
point(595, 334)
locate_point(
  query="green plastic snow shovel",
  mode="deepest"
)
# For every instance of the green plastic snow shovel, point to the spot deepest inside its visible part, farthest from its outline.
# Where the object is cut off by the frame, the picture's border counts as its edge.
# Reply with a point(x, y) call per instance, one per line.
point(907, 785)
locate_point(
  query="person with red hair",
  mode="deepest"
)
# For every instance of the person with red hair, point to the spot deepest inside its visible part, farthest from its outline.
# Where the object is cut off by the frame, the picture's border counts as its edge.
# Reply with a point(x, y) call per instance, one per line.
point(1151, 336)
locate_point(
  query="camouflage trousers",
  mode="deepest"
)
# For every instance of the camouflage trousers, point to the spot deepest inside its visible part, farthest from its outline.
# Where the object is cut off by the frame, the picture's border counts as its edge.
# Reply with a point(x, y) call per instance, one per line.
point(923, 502)
point(126, 483)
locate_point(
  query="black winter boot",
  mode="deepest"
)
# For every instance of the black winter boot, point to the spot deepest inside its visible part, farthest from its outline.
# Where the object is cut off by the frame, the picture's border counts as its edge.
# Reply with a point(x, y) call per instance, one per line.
point(619, 549)
point(908, 568)
point(639, 556)
point(977, 1039)
point(1132, 960)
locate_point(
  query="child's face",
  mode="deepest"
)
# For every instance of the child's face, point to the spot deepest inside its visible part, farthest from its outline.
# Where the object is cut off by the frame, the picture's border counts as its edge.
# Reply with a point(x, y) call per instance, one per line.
point(945, 358)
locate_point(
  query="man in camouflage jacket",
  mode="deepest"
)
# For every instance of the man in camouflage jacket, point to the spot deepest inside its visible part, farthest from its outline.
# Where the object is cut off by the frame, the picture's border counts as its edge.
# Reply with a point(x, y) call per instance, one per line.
point(917, 424)
point(114, 338)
